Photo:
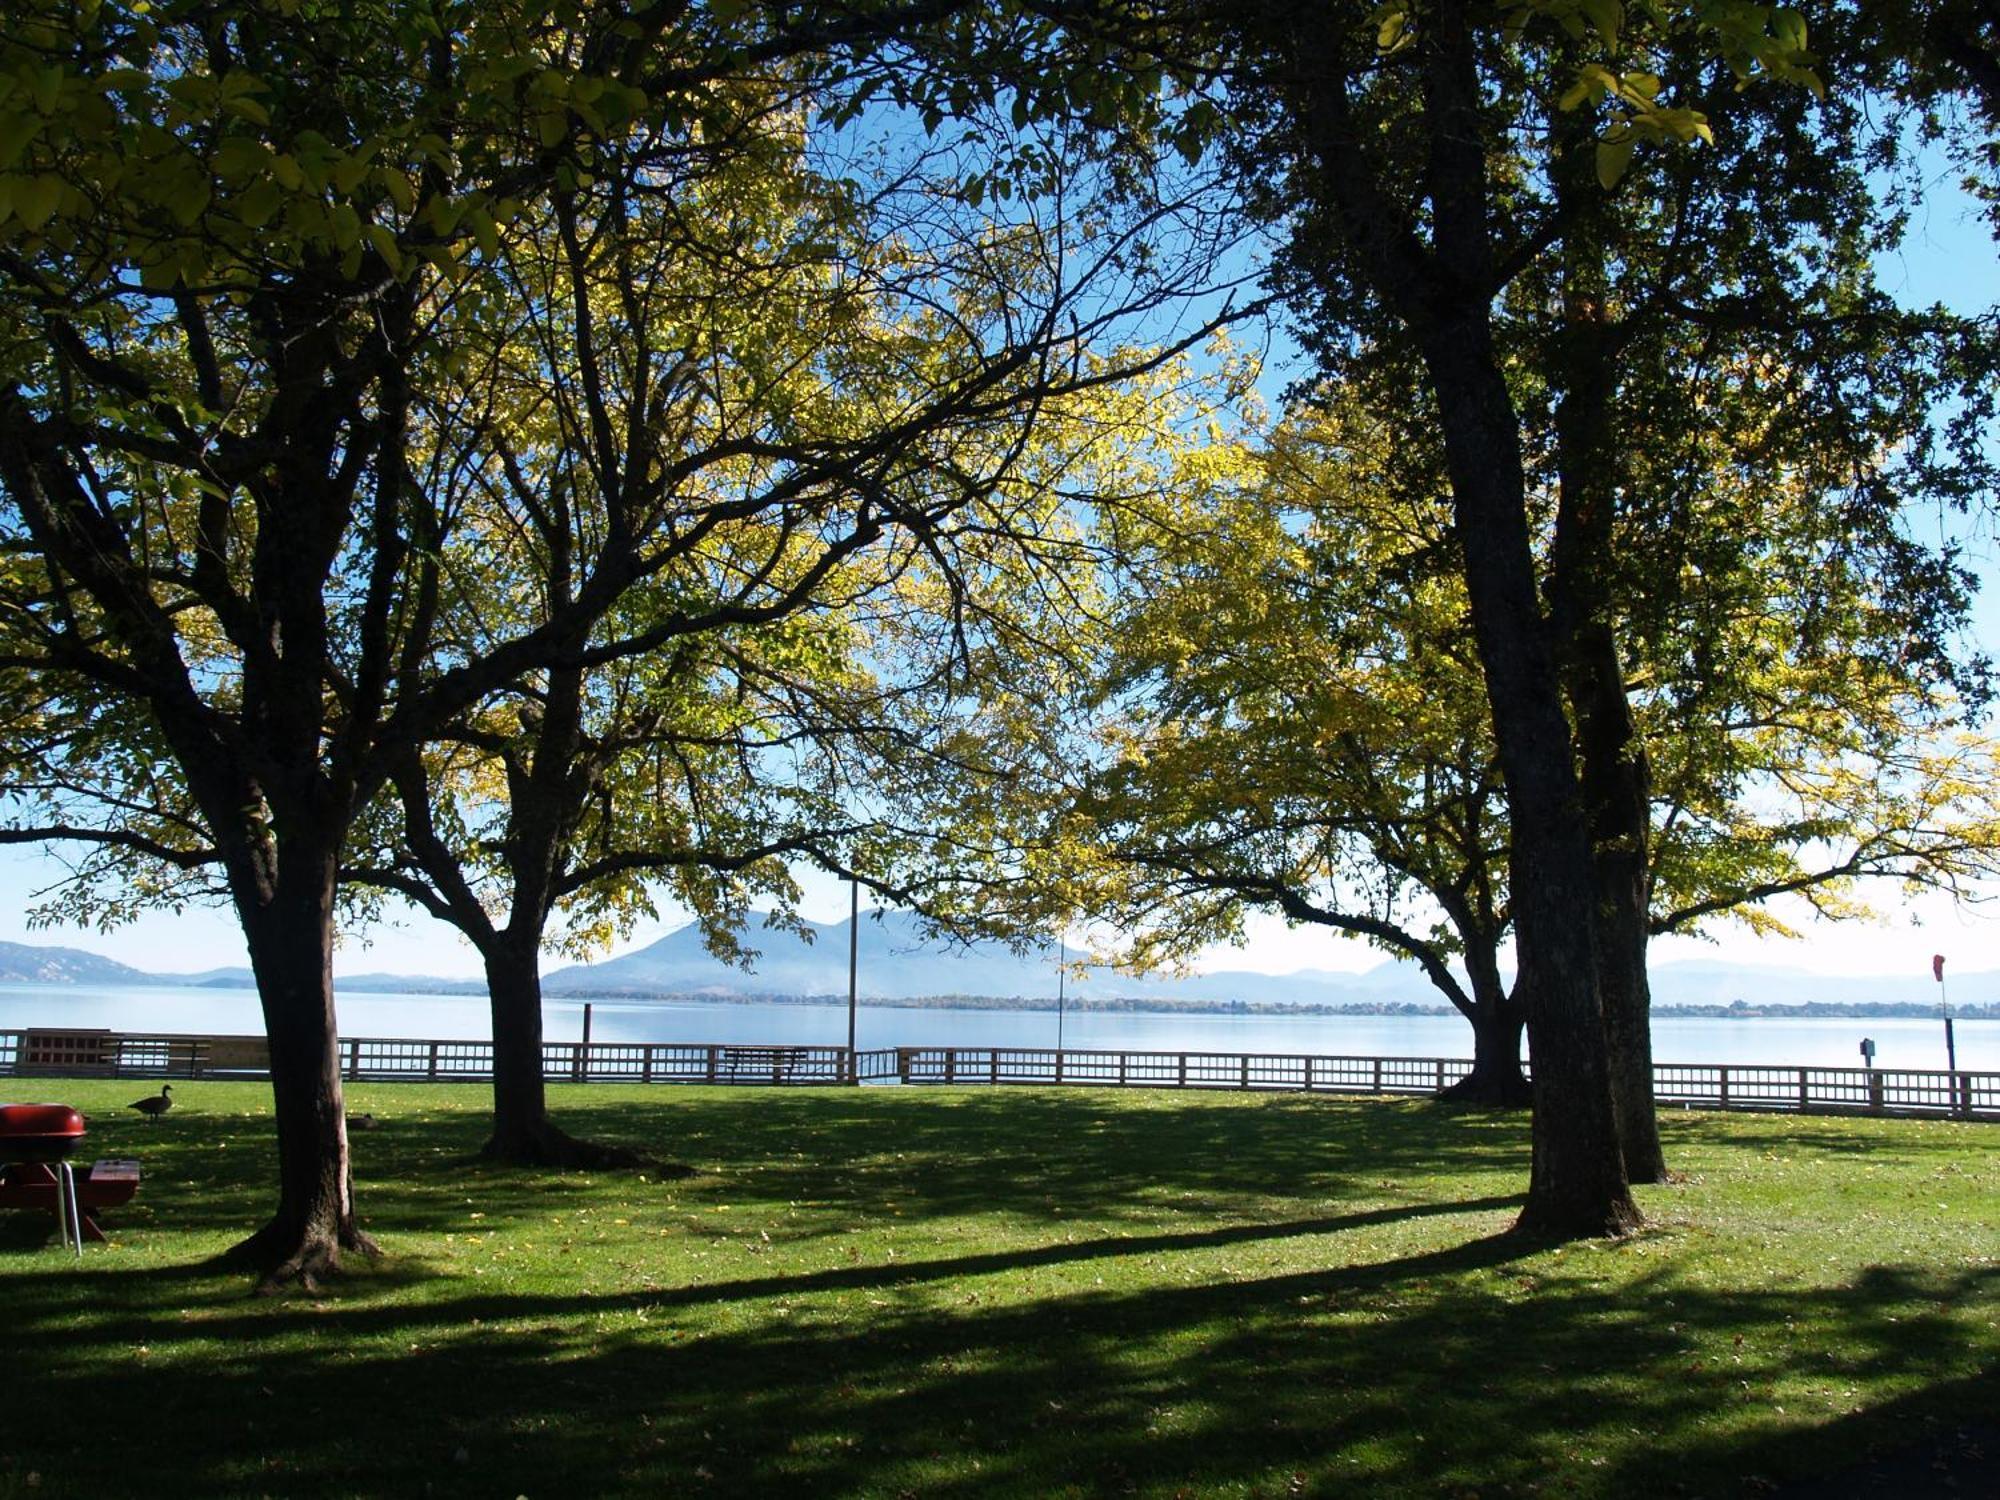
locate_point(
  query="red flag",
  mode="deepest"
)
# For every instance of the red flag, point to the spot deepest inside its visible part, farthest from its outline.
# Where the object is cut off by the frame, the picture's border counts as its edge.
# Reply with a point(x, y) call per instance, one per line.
point(1937, 967)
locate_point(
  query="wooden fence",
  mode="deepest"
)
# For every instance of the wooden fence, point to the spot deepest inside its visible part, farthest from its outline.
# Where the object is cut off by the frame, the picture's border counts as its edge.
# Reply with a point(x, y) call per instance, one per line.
point(1734, 1086)
point(1740, 1086)
point(109, 1054)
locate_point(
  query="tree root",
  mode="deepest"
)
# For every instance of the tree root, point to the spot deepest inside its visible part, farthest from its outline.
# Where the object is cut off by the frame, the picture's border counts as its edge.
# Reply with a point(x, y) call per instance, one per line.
point(1490, 1091)
point(548, 1145)
point(289, 1258)
point(1559, 1226)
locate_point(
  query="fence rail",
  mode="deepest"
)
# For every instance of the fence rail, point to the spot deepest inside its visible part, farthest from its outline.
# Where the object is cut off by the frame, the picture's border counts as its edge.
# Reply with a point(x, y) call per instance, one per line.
point(1733, 1086)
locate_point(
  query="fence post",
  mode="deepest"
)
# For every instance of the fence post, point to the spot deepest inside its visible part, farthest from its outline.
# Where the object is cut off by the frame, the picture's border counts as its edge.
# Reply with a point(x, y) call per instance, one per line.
point(434, 1061)
point(1874, 1092)
point(1440, 1074)
point(951, 1065)
point(1121, 1068)
point(646, 1065)
point(1378, 1075)
point(1804, 1095)
point(353, 1058)
point(1246, 1072)
point(711, 1063)
point(902, 1065)
point(1059, 1065)
point(1183, 1077)
point(993, 1066)
point(1722, 1086)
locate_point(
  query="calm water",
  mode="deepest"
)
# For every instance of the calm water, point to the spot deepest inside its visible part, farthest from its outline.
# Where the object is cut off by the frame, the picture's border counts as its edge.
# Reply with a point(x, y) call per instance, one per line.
point(1899, 1043)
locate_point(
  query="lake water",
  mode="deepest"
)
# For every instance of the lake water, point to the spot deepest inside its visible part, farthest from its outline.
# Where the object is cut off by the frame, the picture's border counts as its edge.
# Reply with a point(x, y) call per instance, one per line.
point(1900, 1043)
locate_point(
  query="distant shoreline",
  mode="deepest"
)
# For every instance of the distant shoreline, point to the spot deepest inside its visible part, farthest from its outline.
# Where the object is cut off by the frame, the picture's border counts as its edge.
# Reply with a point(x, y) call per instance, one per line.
point(1136, 1005)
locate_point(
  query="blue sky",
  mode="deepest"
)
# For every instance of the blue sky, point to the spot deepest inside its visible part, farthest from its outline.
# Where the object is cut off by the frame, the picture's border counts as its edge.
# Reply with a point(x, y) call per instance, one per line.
point(1949, 257)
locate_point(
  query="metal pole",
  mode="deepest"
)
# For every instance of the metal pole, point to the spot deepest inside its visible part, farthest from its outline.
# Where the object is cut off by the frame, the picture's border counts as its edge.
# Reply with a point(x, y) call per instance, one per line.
point(853, 971)
point(1062, 964)
point(1950, 1042)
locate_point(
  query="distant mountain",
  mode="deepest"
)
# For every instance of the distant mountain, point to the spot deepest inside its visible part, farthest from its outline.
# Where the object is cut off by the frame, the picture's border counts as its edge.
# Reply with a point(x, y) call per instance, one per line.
point(898, 963)
point(28, 963)
point(895, 961)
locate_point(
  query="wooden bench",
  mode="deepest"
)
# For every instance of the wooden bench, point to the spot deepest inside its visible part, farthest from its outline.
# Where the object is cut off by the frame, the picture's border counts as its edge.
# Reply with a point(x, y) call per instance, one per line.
point(759, 1064)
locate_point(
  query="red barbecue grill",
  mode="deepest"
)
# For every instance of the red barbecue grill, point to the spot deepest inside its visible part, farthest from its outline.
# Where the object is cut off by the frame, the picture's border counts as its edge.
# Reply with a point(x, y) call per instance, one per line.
point(35, 1145)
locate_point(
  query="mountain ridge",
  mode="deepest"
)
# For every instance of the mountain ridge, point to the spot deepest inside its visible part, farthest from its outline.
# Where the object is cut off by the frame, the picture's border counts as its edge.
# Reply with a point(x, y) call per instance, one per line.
point(897, 964)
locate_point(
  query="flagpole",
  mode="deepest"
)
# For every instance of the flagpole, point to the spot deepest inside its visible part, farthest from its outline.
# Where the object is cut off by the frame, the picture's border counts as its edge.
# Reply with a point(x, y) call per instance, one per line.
point(1062, 967)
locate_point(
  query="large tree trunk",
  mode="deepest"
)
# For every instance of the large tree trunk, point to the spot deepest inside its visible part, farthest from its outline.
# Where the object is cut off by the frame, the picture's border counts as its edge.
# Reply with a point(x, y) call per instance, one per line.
point(1577, 1185)
point(290, 938)
point(1496, 1078)
point(1613, 767)
point(520, 1098)
point(1441, 287)
point(523, 1134)
point(1617, 793)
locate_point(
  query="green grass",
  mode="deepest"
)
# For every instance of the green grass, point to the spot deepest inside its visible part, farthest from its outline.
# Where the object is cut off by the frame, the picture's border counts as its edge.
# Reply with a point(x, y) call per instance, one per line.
point(995, 1292)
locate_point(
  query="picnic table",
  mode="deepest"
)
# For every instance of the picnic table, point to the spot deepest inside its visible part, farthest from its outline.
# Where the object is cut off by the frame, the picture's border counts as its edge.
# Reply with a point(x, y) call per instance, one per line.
point(105, 1184)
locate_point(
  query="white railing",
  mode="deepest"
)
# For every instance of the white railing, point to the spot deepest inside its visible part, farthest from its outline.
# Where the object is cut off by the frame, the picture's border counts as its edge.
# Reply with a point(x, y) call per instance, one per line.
point(1733, 1086)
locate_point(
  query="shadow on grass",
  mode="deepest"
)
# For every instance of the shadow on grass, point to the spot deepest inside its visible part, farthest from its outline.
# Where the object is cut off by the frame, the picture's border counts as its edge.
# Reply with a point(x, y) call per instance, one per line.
point(1418, 1375)
point(1253, 1348)
point(1016, 1153)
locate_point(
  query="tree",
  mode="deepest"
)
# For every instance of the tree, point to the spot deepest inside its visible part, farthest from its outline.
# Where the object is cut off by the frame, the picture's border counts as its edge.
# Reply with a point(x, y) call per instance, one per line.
point(1293, 721)
point(1293, 694)
point(1394, 212)
point(251, 249)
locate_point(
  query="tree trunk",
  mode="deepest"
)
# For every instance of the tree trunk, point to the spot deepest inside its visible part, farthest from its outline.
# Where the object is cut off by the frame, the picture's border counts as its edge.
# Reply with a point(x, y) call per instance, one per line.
point(290, 938)
point(1577, 1185)
point(1613, 767)
point(523, 1134)
point(1616, 788)
point(520, 1097)
point(1498, 1020)
point(1496, 1078)
point(1440, 287)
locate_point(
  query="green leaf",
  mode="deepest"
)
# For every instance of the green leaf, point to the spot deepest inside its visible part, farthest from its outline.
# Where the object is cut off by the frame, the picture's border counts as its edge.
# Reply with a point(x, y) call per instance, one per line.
point(36, 198)
point(384, 240)
point(259, 202)
point(240, 158)
point(348, 173)
point(484, 231)
point(17, 131)
point(346, 225)
point(1613, 157)
point(397, 186)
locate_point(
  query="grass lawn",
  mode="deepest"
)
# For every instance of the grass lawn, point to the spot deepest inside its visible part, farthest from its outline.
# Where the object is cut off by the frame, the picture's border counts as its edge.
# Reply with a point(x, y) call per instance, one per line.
point(1001, 1292)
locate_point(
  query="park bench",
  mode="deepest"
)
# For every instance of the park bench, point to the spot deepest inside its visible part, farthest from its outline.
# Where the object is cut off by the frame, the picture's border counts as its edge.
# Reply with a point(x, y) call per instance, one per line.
point(759, 1064)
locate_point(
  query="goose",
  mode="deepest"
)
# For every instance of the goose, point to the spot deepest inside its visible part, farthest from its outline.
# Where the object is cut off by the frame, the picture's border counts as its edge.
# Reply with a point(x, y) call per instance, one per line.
point(155, 1105)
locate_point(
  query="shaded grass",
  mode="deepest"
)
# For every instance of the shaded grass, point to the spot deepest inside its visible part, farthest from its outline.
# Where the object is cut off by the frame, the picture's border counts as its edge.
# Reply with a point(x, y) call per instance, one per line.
point(999, 1292)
